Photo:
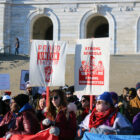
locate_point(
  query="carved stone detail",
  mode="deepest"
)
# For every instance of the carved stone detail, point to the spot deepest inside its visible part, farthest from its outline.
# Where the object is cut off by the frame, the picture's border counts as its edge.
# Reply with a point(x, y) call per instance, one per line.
point(42, 10)
point(126, 8)
point(70, 9)
point(96, 8)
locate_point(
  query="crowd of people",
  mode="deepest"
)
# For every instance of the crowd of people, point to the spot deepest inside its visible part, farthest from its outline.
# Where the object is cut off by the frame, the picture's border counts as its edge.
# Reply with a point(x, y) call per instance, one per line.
point(68, 116)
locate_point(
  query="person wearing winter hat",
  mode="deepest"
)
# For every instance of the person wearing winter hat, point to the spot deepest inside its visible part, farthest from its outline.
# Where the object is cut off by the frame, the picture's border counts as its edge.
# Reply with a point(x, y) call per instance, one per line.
point(29, 89)
point(6, 99)
point(26, 120)
point(137, 85)
point(7, 93)
point(33, 94)
point(134, 107)
point(105, 119)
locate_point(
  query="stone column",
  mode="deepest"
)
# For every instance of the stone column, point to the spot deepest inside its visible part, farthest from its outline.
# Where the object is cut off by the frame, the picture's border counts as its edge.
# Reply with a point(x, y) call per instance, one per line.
point(5, 12)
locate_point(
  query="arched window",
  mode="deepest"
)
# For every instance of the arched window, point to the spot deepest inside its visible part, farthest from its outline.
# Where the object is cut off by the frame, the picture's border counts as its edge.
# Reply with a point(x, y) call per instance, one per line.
point(97, 27)
point(43, 29)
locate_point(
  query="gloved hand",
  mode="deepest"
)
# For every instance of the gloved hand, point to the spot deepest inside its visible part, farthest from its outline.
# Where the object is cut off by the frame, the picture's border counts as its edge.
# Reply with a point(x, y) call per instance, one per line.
point(120, 104)
point(80, 132)
point(54, 130)
point(8, 136)
point(46, 122)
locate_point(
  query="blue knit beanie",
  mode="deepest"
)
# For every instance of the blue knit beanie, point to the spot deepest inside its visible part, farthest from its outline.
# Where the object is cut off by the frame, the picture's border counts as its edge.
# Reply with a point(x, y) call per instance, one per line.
point(106, 96)
point(137, 86)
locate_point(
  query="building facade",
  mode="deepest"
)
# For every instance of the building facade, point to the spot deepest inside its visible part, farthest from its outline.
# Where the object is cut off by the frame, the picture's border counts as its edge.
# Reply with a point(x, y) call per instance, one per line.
point(70, 20)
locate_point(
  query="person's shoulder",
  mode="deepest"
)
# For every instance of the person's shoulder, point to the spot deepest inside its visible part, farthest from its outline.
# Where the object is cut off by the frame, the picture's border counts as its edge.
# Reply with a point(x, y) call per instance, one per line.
point(27, 113)
point(119, 115)
point(88, 116)
point(134, 100)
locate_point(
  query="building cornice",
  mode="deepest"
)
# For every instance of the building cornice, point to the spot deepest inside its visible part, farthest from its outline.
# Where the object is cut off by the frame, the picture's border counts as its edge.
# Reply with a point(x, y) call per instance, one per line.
point(44, 2)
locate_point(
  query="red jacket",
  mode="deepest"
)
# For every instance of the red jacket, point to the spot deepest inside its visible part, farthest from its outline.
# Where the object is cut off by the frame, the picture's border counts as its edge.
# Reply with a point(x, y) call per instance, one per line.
point(26, 123)
point(66, 125)
point(7, 118)
point(4, 123)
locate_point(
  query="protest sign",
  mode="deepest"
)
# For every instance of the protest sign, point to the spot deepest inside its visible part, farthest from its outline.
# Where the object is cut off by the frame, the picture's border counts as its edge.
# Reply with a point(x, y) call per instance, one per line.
point(92, 59)
point(23, 79)
point(47, 63)
point(4, 81)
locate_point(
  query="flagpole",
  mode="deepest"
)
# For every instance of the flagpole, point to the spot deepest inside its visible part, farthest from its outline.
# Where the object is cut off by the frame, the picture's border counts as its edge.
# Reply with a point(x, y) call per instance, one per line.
point(91, 102)
point(47, 96)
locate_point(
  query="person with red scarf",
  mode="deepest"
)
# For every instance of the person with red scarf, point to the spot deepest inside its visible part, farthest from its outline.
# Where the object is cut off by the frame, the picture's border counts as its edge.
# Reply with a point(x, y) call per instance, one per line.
point(105, 119)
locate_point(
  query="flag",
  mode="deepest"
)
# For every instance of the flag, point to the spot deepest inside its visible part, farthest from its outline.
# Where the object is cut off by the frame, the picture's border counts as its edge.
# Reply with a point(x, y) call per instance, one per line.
point(43, 135)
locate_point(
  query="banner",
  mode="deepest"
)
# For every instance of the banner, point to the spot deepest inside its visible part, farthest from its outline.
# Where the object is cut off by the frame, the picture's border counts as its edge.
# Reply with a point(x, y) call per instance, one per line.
point(4, 81)
point(47, 63)
point(23, 79)
point(92, 59)
point(90, 136)
point(43, 135)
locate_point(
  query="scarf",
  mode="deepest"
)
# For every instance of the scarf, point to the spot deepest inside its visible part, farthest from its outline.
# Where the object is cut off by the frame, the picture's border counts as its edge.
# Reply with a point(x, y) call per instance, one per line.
point(98, 118)
point(85, 112)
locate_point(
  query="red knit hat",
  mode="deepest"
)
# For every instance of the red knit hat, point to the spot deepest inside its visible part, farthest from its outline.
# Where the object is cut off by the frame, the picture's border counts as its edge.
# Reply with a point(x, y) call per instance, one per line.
point(8, 93)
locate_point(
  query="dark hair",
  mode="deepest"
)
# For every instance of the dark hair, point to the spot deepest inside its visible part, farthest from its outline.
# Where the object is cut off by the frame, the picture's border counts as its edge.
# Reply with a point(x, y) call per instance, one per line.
point(51, 111)
point(86, 97)
point(21, 99)
point(126, 88)
point(63, 88)
point(132, 93)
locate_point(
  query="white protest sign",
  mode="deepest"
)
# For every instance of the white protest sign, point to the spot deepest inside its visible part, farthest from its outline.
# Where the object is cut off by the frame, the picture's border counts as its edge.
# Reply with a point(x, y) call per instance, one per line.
point(92, 60)
point(4, 81)
point(47, 63)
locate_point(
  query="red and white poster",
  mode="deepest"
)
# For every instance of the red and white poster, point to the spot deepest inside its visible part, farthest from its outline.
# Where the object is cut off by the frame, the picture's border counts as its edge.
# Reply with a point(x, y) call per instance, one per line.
point(47, 63)
point(92, 59)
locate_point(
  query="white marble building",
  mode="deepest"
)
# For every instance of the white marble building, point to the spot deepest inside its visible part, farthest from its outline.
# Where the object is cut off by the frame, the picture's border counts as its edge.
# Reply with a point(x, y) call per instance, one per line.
point(70, 20)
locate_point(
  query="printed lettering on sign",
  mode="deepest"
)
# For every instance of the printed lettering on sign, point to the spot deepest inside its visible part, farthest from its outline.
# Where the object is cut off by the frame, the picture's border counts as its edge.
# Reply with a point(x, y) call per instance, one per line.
point(91, 72)
point(47, 60)
point(92, 58)
point(48, 55)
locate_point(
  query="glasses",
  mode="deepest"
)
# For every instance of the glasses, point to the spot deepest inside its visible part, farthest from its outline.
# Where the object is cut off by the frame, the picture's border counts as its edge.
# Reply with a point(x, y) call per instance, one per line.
point(54, 97)
point(100, 102)
point(83, 100)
